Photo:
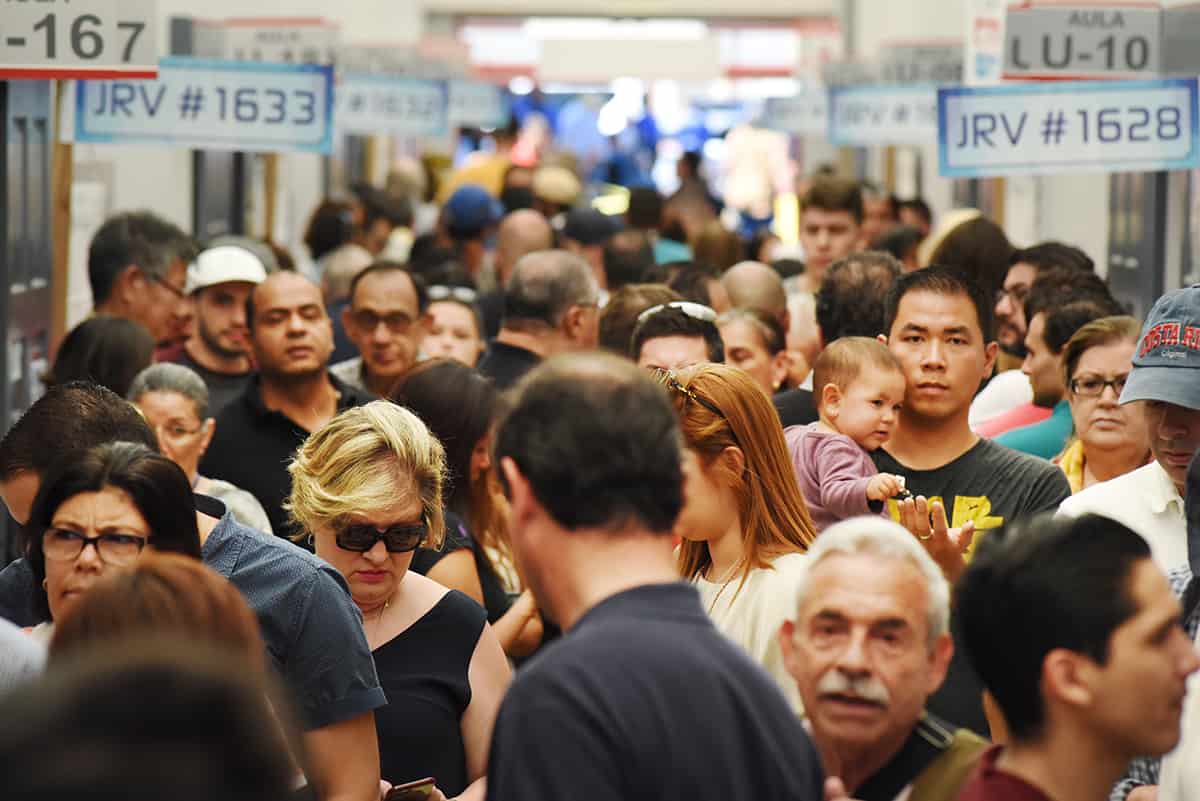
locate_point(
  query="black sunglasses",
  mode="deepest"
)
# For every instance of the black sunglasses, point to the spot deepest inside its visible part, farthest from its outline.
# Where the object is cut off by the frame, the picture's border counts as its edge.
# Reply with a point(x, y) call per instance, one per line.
point(398, 538)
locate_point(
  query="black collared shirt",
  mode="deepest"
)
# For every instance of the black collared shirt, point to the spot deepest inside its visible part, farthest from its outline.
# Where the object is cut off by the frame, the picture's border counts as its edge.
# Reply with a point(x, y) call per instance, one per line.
point(505, 364)
point(645, 699)
point(253, 445)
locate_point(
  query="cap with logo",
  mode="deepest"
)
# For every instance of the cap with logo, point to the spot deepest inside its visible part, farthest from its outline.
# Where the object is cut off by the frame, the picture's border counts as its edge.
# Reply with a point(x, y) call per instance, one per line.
point(1166, 364)
point(222, 265)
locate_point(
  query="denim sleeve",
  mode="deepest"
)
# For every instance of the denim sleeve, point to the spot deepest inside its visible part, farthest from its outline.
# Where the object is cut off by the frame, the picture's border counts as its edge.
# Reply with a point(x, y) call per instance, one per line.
point(329, 667)
point(17, 595)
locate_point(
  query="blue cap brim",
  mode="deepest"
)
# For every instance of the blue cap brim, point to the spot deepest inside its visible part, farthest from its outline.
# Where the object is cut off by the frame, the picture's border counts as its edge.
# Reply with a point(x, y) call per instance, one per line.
point(1176, 385)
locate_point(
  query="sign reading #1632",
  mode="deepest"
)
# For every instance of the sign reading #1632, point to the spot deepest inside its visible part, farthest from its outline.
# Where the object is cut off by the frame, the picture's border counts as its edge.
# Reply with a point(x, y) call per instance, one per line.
point(1102, 126)
point(222, 105)
point(380, 104)
point(863, 116)
point(78, 38)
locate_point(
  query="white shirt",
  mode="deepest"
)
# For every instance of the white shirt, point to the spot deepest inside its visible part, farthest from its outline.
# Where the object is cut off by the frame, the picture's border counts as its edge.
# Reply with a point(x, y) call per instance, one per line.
point(1005, 392)
point(1179, 778)
point(751, 616)
point(1146, 501)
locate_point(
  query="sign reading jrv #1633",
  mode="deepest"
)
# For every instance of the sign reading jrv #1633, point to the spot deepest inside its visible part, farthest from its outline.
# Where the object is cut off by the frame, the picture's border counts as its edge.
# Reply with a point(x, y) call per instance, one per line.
point(223, 105)
point(1101, 126)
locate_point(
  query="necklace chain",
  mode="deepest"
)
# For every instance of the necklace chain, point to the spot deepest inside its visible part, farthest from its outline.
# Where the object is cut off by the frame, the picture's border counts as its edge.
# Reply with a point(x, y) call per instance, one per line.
point(729, 575)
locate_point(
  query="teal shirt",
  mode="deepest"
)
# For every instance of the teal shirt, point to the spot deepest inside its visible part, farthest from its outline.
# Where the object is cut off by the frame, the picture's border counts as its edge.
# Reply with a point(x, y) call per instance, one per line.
point(1045, 439)
point(668, 250)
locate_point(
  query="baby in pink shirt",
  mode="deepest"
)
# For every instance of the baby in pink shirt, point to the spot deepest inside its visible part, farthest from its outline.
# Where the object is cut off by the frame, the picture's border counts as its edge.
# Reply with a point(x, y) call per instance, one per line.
point(859, 388)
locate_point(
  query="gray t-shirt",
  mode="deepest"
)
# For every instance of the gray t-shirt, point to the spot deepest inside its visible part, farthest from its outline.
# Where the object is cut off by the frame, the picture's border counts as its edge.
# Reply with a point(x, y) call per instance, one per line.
point(22, 658)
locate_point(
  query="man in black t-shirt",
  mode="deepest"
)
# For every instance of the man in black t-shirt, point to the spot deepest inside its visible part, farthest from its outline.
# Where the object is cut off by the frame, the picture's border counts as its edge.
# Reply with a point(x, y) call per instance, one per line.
point(939, 326)
point(643, 697)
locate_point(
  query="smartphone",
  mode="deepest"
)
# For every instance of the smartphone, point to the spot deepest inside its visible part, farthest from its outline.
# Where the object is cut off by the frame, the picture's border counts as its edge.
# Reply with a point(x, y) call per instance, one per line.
point(419, 790)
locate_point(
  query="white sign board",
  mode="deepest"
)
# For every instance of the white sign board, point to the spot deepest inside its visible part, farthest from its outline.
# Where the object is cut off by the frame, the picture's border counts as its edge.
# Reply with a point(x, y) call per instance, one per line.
point(864, 116)
point(803, 113)
point(221, 105)
point(79, 39)
point(379, 104)
point(1082, 42)
point(1096, 126)
point(477, 104)
point(283, 40)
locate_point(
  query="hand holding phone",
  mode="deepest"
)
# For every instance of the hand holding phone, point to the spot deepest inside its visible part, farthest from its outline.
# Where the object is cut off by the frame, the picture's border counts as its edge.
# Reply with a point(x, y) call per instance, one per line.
point(420, 790)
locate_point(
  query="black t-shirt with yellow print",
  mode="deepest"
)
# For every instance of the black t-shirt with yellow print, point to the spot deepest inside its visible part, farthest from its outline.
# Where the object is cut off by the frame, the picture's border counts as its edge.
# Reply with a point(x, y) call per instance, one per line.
point(988, 485)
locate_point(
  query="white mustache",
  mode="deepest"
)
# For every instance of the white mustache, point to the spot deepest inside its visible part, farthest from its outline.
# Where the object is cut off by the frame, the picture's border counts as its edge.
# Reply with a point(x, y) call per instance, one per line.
point(865, 688)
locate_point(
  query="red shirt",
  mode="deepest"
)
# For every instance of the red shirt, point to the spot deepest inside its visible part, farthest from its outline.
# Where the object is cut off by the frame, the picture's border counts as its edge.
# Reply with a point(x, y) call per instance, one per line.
point(1024, 415)
point(989, 783)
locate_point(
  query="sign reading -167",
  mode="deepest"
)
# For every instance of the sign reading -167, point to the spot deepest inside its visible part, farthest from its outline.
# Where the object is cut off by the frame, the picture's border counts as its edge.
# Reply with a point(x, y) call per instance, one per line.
point(78, 38)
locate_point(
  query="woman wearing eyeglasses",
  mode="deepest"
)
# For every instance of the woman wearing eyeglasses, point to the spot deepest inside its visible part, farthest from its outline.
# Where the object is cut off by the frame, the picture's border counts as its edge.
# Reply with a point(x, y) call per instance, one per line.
point(100, 511)
point(174, 400)
point(1110, 439)
point(744, 524)
point(367, 488)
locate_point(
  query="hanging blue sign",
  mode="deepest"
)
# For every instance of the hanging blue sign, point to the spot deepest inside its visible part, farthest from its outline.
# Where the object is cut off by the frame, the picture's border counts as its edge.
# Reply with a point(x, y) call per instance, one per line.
point(222, 105)
point(1096, 126)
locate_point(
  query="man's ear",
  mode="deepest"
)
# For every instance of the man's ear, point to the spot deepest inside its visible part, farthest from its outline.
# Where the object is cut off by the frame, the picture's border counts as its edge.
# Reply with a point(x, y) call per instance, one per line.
point(1066, 678)
point(787, 647)
point(520, 494)
point(990, 353)
point(939, 662)
point(131, 281)
point(781, 364)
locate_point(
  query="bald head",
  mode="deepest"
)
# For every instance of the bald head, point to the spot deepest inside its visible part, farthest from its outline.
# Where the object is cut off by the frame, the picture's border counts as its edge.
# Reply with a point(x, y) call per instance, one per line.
point(521, 232)
point(754, 285)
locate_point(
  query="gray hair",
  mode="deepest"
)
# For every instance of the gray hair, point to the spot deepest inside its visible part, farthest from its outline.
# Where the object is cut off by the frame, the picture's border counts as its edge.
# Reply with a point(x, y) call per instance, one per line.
point(886, 540)
point(546, 283)
point(167, 377)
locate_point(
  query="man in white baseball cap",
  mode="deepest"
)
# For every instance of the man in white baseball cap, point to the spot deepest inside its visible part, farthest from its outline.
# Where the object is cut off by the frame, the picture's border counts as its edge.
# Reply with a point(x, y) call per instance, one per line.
point(220, 281)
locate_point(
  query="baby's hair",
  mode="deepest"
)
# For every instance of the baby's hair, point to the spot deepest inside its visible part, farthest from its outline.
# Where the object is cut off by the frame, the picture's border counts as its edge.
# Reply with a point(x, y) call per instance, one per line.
point(844, 359)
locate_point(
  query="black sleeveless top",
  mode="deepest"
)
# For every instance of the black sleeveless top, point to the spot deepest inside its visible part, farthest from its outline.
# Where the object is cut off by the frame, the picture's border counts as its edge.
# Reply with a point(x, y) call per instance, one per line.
point(423, 672)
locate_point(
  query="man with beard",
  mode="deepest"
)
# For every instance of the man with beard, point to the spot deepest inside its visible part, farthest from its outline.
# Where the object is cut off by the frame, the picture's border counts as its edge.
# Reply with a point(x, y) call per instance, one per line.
point(220, 282)
point(1010, 388)
point(292, 395)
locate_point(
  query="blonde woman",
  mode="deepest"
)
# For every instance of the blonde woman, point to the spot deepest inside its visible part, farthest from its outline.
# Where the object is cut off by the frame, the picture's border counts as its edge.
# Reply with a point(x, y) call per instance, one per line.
point(367, 488)
point(744, 524)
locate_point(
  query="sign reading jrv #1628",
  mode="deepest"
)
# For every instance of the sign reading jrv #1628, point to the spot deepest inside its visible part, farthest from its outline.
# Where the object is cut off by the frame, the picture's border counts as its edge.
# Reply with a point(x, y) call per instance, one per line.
point(222, 105)
point(1103, 126)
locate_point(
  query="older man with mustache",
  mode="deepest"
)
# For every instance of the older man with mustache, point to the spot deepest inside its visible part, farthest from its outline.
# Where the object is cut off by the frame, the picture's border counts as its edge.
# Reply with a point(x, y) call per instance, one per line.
point(869, 645)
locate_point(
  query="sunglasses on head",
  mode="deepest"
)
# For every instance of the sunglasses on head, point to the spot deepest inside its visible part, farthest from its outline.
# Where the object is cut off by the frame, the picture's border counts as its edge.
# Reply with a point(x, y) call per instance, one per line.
point(668, 379)
point(462, 294)
point(697, 311)
point(398, 538)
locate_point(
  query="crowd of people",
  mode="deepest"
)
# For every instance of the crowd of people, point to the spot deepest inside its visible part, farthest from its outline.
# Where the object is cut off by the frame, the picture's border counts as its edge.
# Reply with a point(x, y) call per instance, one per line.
point(489, 494)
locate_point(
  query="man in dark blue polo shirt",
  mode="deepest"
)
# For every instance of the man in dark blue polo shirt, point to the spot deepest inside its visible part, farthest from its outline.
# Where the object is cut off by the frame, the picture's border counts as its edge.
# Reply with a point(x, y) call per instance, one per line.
point(293, 394)
point(642, 698)
point(311, 628)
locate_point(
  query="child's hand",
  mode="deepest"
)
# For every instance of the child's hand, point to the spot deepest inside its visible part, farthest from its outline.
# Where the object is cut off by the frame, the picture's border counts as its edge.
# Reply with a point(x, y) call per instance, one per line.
point(884, 486)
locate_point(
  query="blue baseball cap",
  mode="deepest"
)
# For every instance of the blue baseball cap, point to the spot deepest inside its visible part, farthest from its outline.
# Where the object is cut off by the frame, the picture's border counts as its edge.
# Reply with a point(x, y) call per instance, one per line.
point(1166, 365)
point(470, 210)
